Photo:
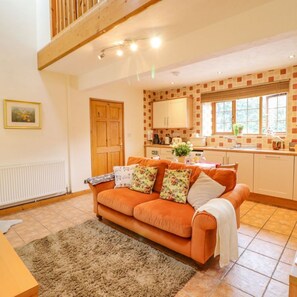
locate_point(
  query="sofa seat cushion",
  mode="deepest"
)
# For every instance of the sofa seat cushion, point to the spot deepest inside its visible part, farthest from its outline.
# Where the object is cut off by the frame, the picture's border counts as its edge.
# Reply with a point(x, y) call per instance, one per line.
point(166, 215)
point(124, 200)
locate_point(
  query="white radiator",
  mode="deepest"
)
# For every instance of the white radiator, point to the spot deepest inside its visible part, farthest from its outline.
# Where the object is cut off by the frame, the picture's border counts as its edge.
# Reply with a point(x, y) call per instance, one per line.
point(29, 182)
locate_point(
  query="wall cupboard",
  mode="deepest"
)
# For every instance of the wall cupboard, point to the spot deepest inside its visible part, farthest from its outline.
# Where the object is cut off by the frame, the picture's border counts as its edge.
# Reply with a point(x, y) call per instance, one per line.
point(173, 113)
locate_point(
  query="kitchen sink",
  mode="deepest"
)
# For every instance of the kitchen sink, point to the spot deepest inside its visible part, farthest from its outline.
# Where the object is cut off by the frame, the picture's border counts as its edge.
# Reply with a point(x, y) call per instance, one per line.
point(243, 148)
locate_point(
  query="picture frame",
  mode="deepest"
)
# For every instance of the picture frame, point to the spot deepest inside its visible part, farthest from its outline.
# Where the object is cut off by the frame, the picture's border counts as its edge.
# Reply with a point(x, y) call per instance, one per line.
point(22, 114)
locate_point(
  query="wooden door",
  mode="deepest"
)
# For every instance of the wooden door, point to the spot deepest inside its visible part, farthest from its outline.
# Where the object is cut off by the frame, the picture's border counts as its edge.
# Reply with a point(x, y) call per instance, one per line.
point(107, 144)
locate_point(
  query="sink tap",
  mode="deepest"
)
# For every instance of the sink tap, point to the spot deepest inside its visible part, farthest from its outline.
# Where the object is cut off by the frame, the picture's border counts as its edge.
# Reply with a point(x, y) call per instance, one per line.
point(236, 144)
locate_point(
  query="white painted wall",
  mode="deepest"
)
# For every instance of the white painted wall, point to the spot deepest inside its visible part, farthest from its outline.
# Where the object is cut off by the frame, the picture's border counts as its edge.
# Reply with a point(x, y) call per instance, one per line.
point(79, 126)
point(43, 23)
point(20, 80)
point(63, 107)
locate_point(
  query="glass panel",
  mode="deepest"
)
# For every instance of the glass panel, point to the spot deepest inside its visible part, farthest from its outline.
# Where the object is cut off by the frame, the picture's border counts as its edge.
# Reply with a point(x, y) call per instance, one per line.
point(253, 128)
point(241, 104)
point(228, 106)
point(281, 114)
point(228, 127)
point(241, 116)
point(282, 101)
point(220, 127)
point(281, 126)
point(253, 102)
point(272, 102)
point(219, 107)
point(253, 115)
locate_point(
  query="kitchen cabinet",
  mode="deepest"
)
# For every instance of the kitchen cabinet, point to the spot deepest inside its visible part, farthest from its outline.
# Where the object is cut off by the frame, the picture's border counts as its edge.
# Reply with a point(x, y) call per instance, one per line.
point(245, 173)
point(173, 113)
point(273, 175)
point(215, 156)
point(163, 153)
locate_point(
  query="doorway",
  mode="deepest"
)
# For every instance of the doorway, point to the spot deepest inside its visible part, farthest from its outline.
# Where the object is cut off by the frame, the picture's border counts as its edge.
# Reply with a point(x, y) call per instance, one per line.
point(107, 135)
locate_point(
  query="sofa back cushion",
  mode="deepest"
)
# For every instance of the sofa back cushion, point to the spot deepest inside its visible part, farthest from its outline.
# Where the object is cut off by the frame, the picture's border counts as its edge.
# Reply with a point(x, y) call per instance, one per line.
point(203, 190)
point(226, 177)
point(160, 164)
point(143, 179)
point(195, 170)
point(176, 185)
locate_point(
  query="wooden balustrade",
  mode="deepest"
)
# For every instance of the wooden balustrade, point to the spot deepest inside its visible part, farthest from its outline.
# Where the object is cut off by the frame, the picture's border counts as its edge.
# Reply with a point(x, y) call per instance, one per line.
point(98, 17)
point(65, 12)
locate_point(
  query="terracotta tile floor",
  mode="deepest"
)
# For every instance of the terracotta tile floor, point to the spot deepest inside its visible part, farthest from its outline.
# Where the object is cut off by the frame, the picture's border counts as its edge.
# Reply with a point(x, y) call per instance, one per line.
point(267, 245)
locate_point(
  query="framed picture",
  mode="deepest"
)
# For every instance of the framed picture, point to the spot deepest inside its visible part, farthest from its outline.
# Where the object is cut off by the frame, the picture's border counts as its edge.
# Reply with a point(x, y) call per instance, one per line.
point(22, 115)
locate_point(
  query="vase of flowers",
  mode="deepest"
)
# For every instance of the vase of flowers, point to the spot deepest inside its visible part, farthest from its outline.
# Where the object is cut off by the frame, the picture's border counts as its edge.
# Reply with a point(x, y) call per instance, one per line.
point(181, 150)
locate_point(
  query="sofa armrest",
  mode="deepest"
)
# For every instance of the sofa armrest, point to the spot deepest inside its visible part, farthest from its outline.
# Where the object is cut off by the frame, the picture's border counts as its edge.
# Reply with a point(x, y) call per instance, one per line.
point(204, 225)
point(99, 188)
point(240, 193)
point(205, 221)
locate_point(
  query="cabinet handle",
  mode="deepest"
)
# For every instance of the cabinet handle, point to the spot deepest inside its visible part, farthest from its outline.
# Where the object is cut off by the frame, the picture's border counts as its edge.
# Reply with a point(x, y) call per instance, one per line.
point(167, 121)
point(272, 157)
point(164, 121)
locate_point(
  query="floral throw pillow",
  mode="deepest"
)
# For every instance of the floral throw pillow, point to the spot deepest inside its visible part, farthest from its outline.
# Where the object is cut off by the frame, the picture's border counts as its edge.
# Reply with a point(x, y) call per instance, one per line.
point(176, 185)
point(143, 179)
point(123, 175)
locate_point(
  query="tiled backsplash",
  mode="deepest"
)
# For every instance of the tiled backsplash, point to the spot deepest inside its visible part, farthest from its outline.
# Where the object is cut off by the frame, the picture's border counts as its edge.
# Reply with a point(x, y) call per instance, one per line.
point(195, 91)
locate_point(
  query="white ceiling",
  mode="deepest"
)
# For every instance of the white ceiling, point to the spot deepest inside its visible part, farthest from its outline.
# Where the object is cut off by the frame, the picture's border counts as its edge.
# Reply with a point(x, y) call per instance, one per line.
point(173, 19)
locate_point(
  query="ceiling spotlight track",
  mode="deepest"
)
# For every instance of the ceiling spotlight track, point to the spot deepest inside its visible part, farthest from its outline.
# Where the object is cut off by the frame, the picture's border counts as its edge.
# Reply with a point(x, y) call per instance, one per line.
point(131, 44)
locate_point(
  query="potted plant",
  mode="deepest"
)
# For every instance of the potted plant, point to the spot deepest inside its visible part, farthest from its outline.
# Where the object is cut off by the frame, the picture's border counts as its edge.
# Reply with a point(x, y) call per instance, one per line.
point(237, 129)
point(181, 150)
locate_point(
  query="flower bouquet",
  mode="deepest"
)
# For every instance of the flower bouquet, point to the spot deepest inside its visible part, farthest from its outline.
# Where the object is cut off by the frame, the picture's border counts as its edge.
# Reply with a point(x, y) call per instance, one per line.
point(181, 150)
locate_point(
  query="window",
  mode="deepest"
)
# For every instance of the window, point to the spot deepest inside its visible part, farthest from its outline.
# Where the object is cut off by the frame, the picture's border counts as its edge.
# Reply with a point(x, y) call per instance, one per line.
point(275, 113)
point(263, 114)
point(259, 108)
point(248, 114)
point(223, 116)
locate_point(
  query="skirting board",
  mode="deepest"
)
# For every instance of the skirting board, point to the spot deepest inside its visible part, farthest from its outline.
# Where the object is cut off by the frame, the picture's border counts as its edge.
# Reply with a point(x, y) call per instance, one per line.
point(270, 200)
point(31, 205)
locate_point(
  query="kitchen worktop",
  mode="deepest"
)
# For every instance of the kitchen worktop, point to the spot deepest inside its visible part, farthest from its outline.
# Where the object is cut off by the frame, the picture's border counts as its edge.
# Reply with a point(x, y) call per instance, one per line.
point(243, 149)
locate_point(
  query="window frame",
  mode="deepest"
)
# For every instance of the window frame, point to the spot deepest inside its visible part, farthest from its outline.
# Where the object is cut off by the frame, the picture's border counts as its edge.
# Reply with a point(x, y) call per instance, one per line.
point(214, 122)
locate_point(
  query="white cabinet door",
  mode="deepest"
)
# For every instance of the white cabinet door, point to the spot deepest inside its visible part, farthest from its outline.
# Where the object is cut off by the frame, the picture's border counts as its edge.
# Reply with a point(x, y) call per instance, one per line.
point(160, 114)
point(245, 173)
point(166, 153)
point(179, 113)
point(173, 113)
point(151, 152)
point(215, 156)
point(273, 175)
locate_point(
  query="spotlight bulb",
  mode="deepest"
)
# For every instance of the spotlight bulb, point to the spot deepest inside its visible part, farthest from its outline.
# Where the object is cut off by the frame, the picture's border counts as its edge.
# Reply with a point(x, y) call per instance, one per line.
point(133, 46)
point(155, 42)
point(120, 52)
point(101, 56)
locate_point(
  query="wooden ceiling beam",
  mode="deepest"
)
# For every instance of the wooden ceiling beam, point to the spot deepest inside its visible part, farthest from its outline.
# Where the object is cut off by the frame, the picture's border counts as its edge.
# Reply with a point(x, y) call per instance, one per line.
point(101, 19)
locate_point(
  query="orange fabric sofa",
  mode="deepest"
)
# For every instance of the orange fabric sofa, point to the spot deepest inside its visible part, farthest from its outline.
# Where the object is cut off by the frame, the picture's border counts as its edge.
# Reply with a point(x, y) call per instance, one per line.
point(165, 222)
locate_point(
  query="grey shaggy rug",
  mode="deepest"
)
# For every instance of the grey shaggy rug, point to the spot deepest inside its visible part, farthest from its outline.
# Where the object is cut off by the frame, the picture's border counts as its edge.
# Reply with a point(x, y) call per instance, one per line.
point(93, 259)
